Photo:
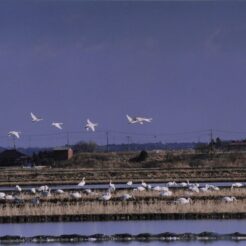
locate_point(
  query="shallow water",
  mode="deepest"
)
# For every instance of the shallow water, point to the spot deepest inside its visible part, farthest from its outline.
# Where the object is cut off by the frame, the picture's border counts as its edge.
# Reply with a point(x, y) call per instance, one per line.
point(196, 243)
point(105, 186)
point(132, 227)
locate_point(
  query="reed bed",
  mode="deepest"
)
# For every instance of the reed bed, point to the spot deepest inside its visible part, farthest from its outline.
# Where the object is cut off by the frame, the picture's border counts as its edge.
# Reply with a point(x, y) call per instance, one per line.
point(144, 202)
point(125, 207)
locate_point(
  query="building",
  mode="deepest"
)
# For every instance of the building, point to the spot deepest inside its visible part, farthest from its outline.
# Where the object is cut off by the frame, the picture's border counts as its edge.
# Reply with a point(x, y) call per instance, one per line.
point(62, 153)
point(13, 157)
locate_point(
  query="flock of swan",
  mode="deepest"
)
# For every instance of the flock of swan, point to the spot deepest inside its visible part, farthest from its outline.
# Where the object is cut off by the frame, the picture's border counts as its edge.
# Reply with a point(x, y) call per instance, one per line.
point(89, 126)
point(191, 188)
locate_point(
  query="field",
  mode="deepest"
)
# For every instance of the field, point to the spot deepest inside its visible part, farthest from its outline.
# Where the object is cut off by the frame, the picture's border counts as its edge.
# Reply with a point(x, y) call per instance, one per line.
point(160, 166)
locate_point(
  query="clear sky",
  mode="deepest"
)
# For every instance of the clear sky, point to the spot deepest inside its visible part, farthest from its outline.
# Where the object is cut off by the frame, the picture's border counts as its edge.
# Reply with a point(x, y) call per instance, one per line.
point(183, 63)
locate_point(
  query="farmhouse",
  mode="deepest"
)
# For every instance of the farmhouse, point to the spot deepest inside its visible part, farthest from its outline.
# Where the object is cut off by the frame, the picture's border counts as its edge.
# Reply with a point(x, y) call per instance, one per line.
point(13, 157)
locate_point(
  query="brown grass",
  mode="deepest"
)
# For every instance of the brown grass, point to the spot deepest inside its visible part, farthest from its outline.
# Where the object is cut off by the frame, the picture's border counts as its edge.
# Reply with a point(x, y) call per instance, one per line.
point(144, 202)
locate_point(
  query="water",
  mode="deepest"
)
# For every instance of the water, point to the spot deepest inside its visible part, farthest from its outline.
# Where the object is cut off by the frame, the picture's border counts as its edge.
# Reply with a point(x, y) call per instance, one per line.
point(105, 186)
point(132, 227)
point(219, 243)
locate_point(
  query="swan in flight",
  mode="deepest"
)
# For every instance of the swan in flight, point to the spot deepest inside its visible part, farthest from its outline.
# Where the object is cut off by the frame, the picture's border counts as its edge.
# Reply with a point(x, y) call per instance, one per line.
point(14, 134)
point(82, 183)
point(90, 125)
point(57, 125)
point(35, 118)
point(140, 120)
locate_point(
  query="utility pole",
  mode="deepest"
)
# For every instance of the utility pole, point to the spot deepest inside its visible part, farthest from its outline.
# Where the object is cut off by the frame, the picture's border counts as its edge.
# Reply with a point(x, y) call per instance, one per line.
point(211, 139)
point(107, 136)
point(68, 139)
point(128, 142)
point(14, 142)
point(211, 135)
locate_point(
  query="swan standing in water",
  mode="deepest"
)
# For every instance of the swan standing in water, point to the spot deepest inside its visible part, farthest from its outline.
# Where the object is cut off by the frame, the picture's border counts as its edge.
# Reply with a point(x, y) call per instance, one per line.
point(82, 183)
point(18, 188)
point(237, 185)
point(111, 186)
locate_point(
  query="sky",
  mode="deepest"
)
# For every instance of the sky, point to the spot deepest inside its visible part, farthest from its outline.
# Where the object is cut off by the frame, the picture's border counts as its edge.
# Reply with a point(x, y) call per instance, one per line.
point(183, 63)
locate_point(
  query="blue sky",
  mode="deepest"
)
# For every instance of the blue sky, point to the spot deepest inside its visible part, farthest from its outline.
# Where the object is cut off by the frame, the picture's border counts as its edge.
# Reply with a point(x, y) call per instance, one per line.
point(182, 63)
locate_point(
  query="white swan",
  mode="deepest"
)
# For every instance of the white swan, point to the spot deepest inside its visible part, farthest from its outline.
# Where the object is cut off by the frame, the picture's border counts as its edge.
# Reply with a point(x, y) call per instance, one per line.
point(166, 193)
point(46, 193)
point(140, 120)
point(57, 125)
point(126, 197)
point(129, 183)
point(229, 199)
point(82, 183)
point(90, 125)
point(59, 191)
point(194, 189)
point(237, 185)
point(43, 188)
point(183, 200)
point(33, 190)
point(35, 118)
point(111, 186)
point(14, 134)
point(171, 184)
point(157, 188)
point(139, 188)
point(75, 195)
point(105, 197)
point(143, 184)
point(18, 188)
point(2, 195)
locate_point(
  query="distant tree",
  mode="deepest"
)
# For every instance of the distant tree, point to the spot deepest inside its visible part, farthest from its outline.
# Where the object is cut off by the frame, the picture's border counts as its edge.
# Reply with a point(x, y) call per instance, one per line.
point(85, 147)
point(218, 143)
point(202, 148)
point(143, 155)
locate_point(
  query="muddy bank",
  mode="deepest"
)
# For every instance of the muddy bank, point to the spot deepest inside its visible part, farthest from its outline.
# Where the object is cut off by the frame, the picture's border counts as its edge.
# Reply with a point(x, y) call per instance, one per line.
point(145, 237)
point(119, 217)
